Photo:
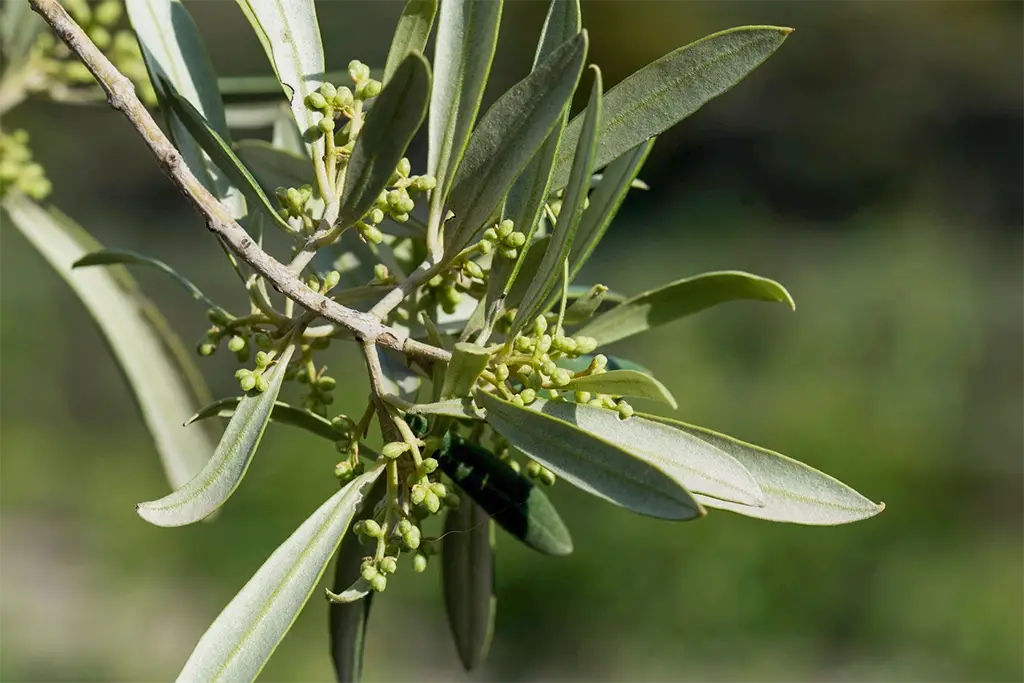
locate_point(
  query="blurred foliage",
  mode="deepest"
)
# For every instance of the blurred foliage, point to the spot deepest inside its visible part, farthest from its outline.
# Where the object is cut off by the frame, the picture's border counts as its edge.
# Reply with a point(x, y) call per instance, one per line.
point(873, 166)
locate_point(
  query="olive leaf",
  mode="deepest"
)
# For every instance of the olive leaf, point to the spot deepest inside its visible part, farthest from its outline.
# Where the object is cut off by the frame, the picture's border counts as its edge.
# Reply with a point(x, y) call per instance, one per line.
point(110, 257)
point(583, 308)
point(396, 116)
point(680, 299)
point(591, 462)
point(290, 36)
point(411, 34)
point(666, 91)
point(794, 492)
point(19, 28)
point(240, 641)
point(507, 137)
point(697, 465)
point(624, 383)
point(281, 412)
point(163, 378)
point(604, 204)
point(223, 156)
point(467, 573)
point(518, 505)
point(467, 35)
point(557, 251)
point(272, 166)
point(398, 379)
point(468, 361)
point(222, 474)
point(454, 407)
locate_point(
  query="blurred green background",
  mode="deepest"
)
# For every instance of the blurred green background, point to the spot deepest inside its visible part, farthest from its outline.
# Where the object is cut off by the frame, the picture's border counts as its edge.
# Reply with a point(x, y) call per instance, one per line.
point(873, 165)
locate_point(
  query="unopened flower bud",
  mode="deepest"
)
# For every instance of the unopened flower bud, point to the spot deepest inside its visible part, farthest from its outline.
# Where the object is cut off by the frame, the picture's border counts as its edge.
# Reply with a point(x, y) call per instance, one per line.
point(533, 469)
point(419, 563)
point(262, 383)
point(429, 465)
point(547, 477)
point(516, 239)
point(505, 228)
point(439, 489)
point(368, 571)
point(369, 89)
point(625, 410)
point(473, 269)
point(418, 494)
point(316, 101)
point(432, 502)
point(379, 583)
point(491, 234)
point(528, 395)
point(358, 71)
point(508, 253)
point(501, 372)
point(423, 183)
point(485, 246)
point(389, 565)
point(561, 377)
point(236, 344)
point(343, 470)
point(394, 449)
point(326, 383)
point(343, 98)
point(331, 280)
point(404, 167)
point(585, 345)
point(326, 125)
point(328, 91)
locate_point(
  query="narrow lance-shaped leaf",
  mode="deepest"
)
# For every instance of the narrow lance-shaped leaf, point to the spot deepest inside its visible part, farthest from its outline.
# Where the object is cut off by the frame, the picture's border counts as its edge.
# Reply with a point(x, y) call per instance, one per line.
point(19, 27)
point(552, 265)
point(222, 155)
point(467, 572)
point(165, 382)
point(174, 53)
point(468, 361)
point(282, 413)
point(461, 408)
point(604, 204)
point(695, 464)
point(397, 377)
point(222, 474)
point(467, 35)
point(666, 91)
point(624, 383)
point(411, 34)
point(111, 257)
point(508, 136)
point(591, 463)
point(240, 641)
point(583, 308)
point(680, 299)
point(526, 198)
point(273, 167)
point(290, 35)
point(390, 126)
point(794, 492)
point(511, 499)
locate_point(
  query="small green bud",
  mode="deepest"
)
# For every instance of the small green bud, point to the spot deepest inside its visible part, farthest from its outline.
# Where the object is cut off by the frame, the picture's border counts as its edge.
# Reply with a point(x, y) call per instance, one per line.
point(524, 344)
point(394, 449)
point(547, 477)
point(429, 465)
point(368, 571)
point(358, 71)
point(236, 344)
point(525, 370)
point(582, 396)
point(328, 91)
point(242, 372)
point(508, 253)
point(564, 344)
point(343, 98)
point(376, 215)
point(625, 410)
point(517, 400)
point(305, 193)
point(263, 359)
point(432, 502)
point(394, 198)
point(369, 89)
point(343, 470)
point(419, 563)
point(533, 469)
point(206, 349)
point(326, 125)
point(412, 539)
point(381, 273)
point(561, 377)
point(585, 345)
point(485, 246)
point(540, 326)
point(514, 465)
point(501, 372)
point(404, 527)
point(373, 234)
point(418, 494)
point(389, 565)
point(452, 500)
point(331, 280)
point(505, 228)
point(248, 382)
point(439, 489)
point(379, 583)
point(528, 395)
point(372, 529)
point(424, 183)
point(316, 101)
point(516, 239)
point(491, 234)
point(262, 383)
point(294, 197)
point(400, 217)
point(473, 269)
point(326, 383)
point(404, 167)
point(599, 362)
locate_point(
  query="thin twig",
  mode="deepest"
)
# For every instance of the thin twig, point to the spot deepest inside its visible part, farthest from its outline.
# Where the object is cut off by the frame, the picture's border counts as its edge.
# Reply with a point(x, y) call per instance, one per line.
point(121, 96)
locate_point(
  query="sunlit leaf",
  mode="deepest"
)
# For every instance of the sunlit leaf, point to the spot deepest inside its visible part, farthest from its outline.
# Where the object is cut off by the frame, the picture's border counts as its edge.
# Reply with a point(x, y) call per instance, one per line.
point(282, 413)
point(794, 492)
point(666, 91)
point(397, 377)
point(604, 204)
point(290, 35)
point(508, 136)
point(467, 572)
point(453, 407)
point(390, 126)
point(224, 157)
point(590, 462)
point(680, 299)
point(697, 465)
point(222, 474)
point(468, 361)
point(166, 384)
point(511, 499)
point(467, 34)
point(240, 641)
point(110, 257)
point(557, 251)
point(411, 34)
point(584, 307)
point(624, 383)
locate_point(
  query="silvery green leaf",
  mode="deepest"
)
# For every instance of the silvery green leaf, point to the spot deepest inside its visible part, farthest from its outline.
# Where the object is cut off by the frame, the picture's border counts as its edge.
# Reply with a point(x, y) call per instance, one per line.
point(468, 361)
point(583, 308)
point(411, 34)
point(290, 35)
point(682, 298)
point(604, 204)
point(624, 383)
point(518, 505)
point(794, 492)
point(174, 53)
point(19, 28)
point(614, 363)
point(507, 137)
point(282, 413)
point(666, 91)
point(453, 407)
point(390, 126)
point(274, 167)
point(110, 257)
point(223, 156)
point(525, 201)
point(558, 248)
point(241, 640)
point(222, 474)
point(467, 573)
point(467, 34)
point(697, 465)
point(163, 378)
point(286, 135)
point(591, 462)
point(398, 379)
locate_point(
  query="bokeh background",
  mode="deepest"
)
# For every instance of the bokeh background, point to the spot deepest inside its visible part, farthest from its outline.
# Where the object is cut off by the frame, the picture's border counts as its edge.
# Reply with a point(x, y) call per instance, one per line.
point(873, 165)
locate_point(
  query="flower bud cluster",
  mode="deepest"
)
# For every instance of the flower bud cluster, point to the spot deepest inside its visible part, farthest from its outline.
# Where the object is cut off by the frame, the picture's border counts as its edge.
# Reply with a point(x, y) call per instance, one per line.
point(504, 237)
point(294, 203)
point(17, 169)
